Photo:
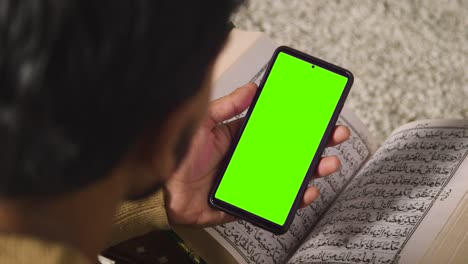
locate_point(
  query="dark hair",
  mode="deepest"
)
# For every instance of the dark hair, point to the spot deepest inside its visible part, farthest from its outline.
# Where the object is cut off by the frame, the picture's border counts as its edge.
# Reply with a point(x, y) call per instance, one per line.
point(80, 80)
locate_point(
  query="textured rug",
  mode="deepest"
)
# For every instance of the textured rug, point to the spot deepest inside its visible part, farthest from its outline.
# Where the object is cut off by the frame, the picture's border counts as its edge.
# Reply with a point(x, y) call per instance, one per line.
point(409, 58)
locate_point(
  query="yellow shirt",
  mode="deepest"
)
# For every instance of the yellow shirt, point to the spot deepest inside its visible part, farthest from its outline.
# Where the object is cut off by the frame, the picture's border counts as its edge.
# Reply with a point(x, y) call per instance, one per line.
point(131, 220)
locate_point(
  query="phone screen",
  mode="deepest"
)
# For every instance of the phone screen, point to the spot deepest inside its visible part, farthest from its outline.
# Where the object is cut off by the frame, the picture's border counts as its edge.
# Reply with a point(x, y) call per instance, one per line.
point(281, 138)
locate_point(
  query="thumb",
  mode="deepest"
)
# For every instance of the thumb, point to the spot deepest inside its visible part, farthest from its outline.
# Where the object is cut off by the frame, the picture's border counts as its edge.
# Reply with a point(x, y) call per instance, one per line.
point(232, 104)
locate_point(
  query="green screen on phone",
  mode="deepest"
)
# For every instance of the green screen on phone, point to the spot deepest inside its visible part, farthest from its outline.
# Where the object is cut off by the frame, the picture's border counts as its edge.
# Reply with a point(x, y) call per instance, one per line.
point(281, 138)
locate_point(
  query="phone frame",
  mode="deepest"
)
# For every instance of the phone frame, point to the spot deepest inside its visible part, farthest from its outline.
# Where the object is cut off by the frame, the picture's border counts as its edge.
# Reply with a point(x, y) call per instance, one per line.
point(248, 216)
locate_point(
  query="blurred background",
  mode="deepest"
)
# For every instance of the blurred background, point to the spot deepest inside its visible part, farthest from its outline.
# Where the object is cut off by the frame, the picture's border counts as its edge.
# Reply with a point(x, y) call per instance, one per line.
point(409, 58)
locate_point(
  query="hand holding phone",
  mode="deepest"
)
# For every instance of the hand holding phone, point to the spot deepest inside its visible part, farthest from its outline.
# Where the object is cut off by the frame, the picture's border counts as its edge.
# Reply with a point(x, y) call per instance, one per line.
point(280, 144)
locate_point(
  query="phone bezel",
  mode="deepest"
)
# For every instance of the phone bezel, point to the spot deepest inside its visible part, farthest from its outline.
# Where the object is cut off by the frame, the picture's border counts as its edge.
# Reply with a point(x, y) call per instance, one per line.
point(250, 217)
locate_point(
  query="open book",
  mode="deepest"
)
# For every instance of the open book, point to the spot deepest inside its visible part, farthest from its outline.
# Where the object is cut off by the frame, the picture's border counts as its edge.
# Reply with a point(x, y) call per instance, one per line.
point(404, 202)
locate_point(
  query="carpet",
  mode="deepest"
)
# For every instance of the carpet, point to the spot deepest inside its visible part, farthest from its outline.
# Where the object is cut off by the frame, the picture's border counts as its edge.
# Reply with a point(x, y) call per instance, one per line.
point(409, 58)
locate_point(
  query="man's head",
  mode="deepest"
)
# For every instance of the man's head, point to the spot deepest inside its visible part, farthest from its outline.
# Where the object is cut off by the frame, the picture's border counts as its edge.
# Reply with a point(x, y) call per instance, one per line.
point(83, 82)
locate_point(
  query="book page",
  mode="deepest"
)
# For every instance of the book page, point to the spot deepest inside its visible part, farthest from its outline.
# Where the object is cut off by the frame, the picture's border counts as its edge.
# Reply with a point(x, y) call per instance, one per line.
point(238, 43)
point(250, 244)
point(247, 68)
point(396, 205)
point(451, 244)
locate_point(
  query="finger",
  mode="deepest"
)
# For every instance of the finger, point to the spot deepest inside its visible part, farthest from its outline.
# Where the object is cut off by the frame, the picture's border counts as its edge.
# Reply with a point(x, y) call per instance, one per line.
point(227, 218)
point(232, 104)
point(328, 165)
point(234, 126)
point(339, 135)
point(310, 195)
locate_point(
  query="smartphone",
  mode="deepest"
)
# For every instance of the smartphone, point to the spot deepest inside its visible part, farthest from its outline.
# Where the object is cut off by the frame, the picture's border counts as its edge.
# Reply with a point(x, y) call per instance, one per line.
point(285, 131)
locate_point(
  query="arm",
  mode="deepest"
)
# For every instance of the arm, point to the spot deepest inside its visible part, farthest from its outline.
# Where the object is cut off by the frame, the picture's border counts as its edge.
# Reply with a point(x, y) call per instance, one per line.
point(137, 218)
